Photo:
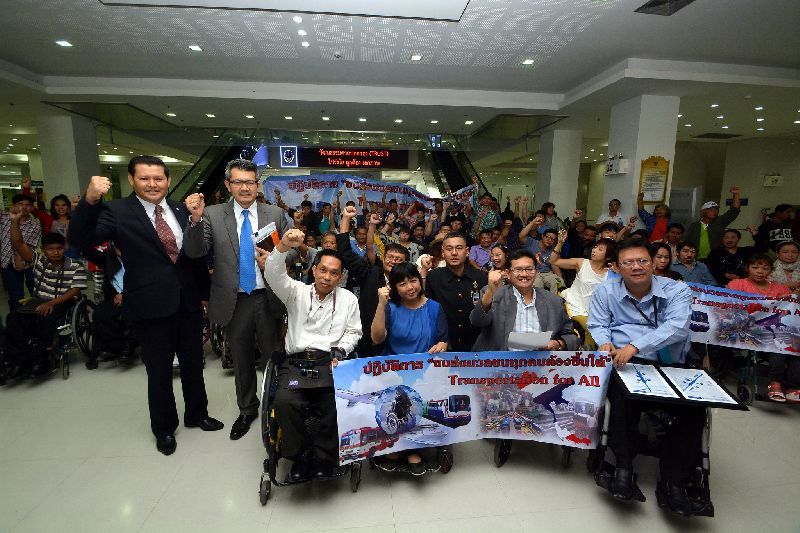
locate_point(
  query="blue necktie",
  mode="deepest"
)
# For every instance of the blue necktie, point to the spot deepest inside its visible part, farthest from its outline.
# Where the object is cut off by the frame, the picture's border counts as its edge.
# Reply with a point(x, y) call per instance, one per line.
point(247, 255)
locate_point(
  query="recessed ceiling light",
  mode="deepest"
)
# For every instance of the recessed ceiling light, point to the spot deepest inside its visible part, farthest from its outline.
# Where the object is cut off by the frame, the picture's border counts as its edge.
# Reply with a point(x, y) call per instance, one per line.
point(398, 121)
point(759, 108)
point(305, 44)
point(416, 57)
point(468, 122)
point(302, 33)
point(760, 129)
point(195, 48)
point(209, 115)
point(130, 152)
point(600, 154)
point(288, 118)
point(115, 148)
point(326, 118)
point(215, 136)
point(720, 116)
point(591, 149)
point(98, 144)
point(249, 116)
point(714, 105)
point(362, 119)
point(679, 115)
point(14, 139)
point(687, 125)
point(171, 115)
point(298, 19)
point(594, 160)
point(586, 157)
point(65, 44)
point(797, 121)
point(760, 119)
point(724, 127)
point(434, 121)
point(528, 62)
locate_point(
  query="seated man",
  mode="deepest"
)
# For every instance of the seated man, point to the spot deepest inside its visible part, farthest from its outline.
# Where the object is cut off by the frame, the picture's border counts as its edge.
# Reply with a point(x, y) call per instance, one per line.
point(646, 317)
point(323, 327)
point(520, 307)
point(692, 271)
point(57, 280)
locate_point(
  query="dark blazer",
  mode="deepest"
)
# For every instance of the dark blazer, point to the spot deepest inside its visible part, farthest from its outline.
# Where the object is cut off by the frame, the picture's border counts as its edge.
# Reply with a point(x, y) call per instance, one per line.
point(154, 285)
point(498, 322)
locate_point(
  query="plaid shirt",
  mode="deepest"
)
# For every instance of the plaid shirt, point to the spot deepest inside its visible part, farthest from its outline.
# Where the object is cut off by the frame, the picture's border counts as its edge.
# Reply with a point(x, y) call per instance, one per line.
point(31, 231)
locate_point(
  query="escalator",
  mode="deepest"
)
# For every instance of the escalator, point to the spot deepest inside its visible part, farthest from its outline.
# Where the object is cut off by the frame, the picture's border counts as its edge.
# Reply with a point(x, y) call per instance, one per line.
point(452, 166)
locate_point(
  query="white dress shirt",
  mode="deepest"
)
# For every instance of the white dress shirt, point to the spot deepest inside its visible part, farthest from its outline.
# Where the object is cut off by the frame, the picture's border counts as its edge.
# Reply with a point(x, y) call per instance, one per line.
point(169, 217)
point(334, 322)
point(527, 320)
point(253, 216)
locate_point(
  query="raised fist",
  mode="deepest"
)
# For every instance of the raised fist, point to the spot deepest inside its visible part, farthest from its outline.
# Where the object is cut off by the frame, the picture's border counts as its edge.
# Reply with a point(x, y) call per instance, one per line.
point(196, 204)
point(98, 187)
point(374, 219)
point(434, 217)
point(383, 295)
point(735, 189)
point(562, 235)
point(277, 193)
point(538, 220)
point(426, 262)
point(297, 217)
point(15, 213)
point(390, 218)
point(305, 197)
point(349, 211)
point(293, 238)
point(75, 200)
point(633, 220)
point(508, 223)
point(495, 279)
point(475, 180)
point(339, 193)
point(26, 182)
point(578, 213)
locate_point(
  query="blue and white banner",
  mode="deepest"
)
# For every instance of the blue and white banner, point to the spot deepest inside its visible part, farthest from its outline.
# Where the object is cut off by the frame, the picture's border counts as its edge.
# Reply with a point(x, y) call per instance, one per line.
point(745, 321)
point(389, 404)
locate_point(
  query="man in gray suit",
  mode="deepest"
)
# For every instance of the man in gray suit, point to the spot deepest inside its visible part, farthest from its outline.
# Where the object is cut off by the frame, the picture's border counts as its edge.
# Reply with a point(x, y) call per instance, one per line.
point(239, 295)
point(519, 307)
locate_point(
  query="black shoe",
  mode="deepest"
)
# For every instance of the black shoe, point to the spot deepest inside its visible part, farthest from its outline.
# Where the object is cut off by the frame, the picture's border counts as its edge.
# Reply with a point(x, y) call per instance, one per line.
point(622, 484)
point(242, 425)
point(13, 372)
point(166, 444)
point(206, 424)
point(91, 364)
point(125, 352)
point(41, 369)
point(301, 468)
point(673, 496)
point(227, 362)
point(326, 470)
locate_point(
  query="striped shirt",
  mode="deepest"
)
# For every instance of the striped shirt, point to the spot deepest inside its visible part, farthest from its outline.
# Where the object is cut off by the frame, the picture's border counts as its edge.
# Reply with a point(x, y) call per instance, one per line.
point(49, 281)
point(31, 231)
point(527, 320)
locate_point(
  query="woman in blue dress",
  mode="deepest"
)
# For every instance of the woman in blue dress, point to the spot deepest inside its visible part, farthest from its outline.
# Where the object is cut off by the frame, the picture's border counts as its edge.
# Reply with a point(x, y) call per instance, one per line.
point(407, 322)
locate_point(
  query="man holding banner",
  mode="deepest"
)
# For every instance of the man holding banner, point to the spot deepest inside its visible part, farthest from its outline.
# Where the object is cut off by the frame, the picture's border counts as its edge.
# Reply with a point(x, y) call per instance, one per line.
point(645, 318)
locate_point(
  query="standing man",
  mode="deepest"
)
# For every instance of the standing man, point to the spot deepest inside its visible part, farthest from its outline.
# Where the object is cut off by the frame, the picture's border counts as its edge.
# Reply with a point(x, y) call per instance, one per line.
point(706, 233)
point(645, 318)
point(17, 273)
point(239, 300)
point(323, 327)
point(457, 289)
point(165, 290)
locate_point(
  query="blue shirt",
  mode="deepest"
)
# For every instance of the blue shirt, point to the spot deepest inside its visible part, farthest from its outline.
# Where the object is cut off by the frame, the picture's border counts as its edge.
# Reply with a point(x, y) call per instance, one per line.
point(116, 281)
point(414, 330)
point(698, 274)
point(613, 318)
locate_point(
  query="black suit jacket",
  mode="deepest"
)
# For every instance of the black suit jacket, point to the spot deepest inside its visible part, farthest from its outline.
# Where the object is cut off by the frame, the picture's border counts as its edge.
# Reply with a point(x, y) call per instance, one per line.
point(154, 285)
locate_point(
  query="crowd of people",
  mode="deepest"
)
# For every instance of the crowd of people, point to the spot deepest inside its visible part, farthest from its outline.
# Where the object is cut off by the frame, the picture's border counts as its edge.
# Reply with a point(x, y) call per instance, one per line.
point(374, 280)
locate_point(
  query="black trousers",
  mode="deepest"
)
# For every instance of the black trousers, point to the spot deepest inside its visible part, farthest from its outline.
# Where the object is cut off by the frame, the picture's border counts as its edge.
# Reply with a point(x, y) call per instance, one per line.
point(23, 326)
point(681, 446)
point(251, 323)
point(109, 329)
point(161, 339)
point(785, 369)
point(292, 408)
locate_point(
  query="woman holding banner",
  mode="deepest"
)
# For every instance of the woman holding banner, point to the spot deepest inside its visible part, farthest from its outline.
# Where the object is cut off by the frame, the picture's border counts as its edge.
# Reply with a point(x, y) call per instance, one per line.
point(408, 322)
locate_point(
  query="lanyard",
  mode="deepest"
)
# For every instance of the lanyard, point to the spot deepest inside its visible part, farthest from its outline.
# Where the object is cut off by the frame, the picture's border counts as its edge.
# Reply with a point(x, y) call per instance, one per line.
point(655, 312)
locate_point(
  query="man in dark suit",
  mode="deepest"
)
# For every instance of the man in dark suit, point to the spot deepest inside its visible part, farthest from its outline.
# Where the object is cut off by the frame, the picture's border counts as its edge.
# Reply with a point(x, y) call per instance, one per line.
point(239, 295)
point(164, 289)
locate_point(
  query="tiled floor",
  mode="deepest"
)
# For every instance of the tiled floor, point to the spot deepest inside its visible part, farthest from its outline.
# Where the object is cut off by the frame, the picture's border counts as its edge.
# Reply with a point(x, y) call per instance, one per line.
point(77, 455)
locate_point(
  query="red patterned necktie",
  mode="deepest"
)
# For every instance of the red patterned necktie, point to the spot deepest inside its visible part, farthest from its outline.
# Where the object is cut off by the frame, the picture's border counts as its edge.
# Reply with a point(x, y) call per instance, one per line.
point(166, 235)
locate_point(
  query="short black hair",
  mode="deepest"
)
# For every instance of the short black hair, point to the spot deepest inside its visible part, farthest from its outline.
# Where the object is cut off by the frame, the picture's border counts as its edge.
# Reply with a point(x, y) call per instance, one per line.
point(611, 249)
point(404, 228)
point(487, 231)
point(401, 272)
point(633, 243)
point(520, 254)
point(306, 203)
point(676, 225)
point(53, 238)
point(455, 235)
point(550, 230)
point(328, 253)
point(780, 208)
point(399, 248)
point(685, 244)
point(589, 226)
point(21, 198)
point(608, 225)
point(349, 202)
point(149, 160)
point(240, 164)
point(326, 204)
point(486, 195)
point(392, 201)
point(787, 243)
point(759, 258)
point(734, 231)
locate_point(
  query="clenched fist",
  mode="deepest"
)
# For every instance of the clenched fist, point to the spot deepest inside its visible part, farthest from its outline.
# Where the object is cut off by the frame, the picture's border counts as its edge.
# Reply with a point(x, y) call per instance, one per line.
point(292, 239)
point(349, 211)
point(98, 187)
point(495, 279)
point(383, 295)
point(196, 204)
point(374, 219)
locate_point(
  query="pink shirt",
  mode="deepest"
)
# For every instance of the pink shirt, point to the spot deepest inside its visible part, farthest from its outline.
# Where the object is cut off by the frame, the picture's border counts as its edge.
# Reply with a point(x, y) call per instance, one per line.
point(775, 290)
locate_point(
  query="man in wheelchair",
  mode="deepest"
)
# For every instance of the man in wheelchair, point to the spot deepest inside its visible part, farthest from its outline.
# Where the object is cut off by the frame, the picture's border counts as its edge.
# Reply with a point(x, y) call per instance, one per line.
point(324, 326)
point(31, 329)
point(645, 318)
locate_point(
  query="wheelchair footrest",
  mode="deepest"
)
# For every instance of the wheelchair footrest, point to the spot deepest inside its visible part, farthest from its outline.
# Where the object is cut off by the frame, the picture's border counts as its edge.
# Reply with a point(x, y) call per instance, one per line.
point(405, 468)
point(605, 475)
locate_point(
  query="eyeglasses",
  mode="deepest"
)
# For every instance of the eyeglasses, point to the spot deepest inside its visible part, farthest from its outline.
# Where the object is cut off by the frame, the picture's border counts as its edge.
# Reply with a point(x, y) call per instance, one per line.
point(242, 183)
point(630, 262)
point(523, 270)
point(333, 272)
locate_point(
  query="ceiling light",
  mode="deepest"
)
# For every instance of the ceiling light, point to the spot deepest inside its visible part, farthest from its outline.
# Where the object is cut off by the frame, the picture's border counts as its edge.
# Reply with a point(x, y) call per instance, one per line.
point(398, 121)
point(724, 127)
point(130, 152)
point(720, 116)
point(528, 62)
point(586, 157)
point(302, 33)
point(362, 119)
point(288, 118)
point(65, 44)
point(98, 144)
point(326, 118)
point(249, 116)
point(594, 160)
point(171, 115)
point(687, 125)
point(714, 105)
point(797, 121)
point(760, 129)
point(305, 44)
point(298, 19)
point(679, 115)
point(468, 122)
point(416, 57)
point(195, 48)
point(434, 121)
point(759, 108)
point(215, 136)
point(760, 119)
point(591, 149)
point(14, 139)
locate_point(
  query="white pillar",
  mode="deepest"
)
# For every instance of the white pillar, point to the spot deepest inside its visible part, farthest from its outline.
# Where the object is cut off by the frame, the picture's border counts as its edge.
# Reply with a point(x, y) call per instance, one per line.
point(69, 153)
point(559, 165)
point(641, 127)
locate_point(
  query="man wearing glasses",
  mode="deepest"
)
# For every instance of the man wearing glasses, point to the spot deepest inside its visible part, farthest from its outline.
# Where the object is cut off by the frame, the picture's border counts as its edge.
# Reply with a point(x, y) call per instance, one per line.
point(614, 214)
point(645, 319)
point(457, 289)
point(520, 307)
point(239, 296)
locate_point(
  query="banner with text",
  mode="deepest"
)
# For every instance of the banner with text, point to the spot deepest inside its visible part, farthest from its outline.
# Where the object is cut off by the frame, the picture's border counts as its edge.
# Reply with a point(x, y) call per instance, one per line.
point(745, 321)
point(322, 188)
point(389, 404)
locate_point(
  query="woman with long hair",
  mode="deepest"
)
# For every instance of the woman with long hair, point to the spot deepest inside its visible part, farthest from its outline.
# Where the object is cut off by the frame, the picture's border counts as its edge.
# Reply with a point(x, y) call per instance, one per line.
point(662, 261)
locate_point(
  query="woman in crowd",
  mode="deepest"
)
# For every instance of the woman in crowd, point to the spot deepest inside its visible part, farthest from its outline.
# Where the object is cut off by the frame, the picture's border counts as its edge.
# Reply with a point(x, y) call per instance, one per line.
point(407, 322)
point(499, 257)
point(551, 217)
point(787, 266)
point(662, 261)
point(726, 263)
point(784, 371)
point(657, 222)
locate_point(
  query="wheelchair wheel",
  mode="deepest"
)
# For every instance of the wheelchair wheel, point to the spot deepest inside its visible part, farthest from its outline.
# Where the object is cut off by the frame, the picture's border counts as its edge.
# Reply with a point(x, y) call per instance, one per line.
point(566, 456)
point(502, 449)
point(63, 364)
point(595, 460)
point(82, 325)
point(745, 394)
point(217, 339)
point(264, 489)
point(355, 476)
point(445, 457)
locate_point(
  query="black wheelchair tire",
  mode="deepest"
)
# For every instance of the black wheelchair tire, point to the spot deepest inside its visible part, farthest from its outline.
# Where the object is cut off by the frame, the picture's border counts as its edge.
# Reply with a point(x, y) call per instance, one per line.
point(82, 325)
point(264, 489)
point(355, 476)
point(502, 450)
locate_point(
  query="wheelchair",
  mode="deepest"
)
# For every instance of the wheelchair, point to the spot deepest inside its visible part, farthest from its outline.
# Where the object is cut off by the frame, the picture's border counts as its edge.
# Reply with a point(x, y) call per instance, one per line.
point(271, 438)
point(651, 427)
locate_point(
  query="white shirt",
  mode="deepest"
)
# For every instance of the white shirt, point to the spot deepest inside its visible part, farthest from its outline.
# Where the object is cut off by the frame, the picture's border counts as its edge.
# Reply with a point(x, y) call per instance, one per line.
point(253, 216)
point(334, 322)
point(168, 215)
point(619, 219)
point(527, 320)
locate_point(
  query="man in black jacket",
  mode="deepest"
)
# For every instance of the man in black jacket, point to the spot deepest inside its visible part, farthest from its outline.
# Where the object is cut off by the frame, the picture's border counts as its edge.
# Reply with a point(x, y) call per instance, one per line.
point(164, 289)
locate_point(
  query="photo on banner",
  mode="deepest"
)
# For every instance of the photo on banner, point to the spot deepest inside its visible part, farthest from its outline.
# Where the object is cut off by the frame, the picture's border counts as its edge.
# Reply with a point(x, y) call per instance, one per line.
point(390, 404)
